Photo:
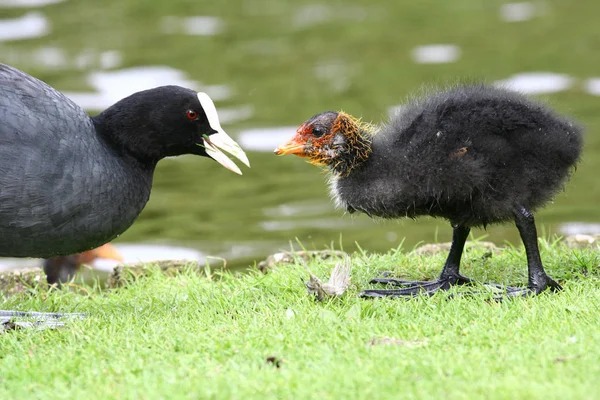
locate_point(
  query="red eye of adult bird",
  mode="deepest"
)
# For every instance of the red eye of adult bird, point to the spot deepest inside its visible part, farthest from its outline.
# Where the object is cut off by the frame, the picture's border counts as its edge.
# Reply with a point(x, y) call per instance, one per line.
point(191, 114)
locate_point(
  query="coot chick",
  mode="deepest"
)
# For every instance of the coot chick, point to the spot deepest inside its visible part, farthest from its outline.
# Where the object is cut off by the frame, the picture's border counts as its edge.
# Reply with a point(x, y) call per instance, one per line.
point(70, 182)
point(472, 154)
point(61, 269)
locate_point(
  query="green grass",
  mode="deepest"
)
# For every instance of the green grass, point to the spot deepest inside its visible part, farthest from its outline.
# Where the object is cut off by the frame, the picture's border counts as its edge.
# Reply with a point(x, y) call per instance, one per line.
point(193, 336)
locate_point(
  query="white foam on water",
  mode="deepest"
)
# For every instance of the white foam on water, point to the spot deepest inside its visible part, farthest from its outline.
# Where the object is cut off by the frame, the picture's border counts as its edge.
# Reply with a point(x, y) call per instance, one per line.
point(265, 139)
point(194, 25)
point(436, 54)
point(592, 86)
point(538, 82)
point(26, 3)
point(31, 25)
point(518, 12)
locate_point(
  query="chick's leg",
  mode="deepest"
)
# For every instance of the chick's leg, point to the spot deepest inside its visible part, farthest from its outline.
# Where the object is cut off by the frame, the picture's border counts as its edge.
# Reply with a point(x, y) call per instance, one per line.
point(538, 280)
point(450, 275)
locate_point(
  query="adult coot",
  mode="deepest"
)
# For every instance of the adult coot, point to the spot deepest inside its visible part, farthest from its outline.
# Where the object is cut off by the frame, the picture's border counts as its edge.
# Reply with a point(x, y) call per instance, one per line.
point(70, 182)
point(472, 154)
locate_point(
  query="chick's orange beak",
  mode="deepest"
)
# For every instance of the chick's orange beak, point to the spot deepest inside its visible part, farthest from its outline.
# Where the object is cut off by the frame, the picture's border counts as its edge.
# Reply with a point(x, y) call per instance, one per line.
point(295, 145)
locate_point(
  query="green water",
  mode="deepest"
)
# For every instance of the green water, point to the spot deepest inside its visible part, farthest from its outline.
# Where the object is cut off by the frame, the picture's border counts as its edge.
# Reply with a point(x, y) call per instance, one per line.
point(290, 60)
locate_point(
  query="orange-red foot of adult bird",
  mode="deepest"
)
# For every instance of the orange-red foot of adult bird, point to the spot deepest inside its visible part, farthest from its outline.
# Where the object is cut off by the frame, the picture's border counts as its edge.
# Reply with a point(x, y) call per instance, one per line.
point(62, 269)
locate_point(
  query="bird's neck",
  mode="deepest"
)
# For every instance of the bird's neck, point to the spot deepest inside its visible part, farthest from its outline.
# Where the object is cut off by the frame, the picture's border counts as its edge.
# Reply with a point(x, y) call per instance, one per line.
point(115, 131)
point(358, 138)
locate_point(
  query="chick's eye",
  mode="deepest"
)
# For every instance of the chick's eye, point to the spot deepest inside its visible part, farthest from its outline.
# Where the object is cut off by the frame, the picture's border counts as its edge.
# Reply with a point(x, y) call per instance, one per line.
point(318, 132)
point(191, 114)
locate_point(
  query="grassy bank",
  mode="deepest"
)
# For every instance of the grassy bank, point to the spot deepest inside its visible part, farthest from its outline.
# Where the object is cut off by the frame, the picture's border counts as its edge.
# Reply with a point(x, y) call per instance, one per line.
point(260, 336)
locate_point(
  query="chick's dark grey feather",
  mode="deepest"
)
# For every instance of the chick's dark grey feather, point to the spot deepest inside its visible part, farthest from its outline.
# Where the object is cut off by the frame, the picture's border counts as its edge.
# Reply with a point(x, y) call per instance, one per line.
point(472, 154)
point(469, 154)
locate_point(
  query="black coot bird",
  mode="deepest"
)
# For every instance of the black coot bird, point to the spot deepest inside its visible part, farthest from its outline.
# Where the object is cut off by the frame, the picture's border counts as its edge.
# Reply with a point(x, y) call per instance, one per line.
point(473, 154)
point(70, 182)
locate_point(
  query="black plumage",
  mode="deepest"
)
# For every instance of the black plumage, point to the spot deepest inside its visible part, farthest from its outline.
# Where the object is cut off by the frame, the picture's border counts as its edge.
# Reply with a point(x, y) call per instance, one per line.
point(472, 154)
point(70, 182)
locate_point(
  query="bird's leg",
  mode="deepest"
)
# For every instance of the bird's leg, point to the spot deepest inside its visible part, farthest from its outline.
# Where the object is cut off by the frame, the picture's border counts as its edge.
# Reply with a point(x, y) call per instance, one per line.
point(450, 273)
point(538, 280)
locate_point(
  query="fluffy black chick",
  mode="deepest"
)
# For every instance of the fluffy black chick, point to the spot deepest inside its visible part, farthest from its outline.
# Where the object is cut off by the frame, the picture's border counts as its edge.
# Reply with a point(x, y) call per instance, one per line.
point(472, 154)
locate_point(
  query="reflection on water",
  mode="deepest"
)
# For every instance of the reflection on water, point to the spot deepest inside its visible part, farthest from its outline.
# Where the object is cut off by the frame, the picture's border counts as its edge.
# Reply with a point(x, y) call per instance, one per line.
point(112, 86)
point(309, 208)
point(574, 228)
point(196, 26)
point(538, 82)
point(435, 54)
point(518, 12)
point(316, 223)
point(265, 139)
point(316, 14)
point(30, 25)
point(592, 86)
point(133, 253)
point(26, 3)
point(336, 74)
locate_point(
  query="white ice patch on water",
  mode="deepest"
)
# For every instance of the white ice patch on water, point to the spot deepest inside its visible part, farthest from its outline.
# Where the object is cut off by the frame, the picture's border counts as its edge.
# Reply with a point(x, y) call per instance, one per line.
point(31, 25)
point(592, 86)
point(195, 25)
point(265, 139)
point(26, 3)
point(517, 12)
point(112, 86)
point(538, 82)
point(436, 54)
